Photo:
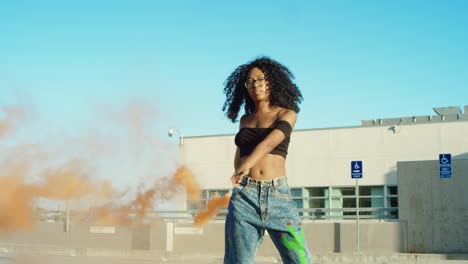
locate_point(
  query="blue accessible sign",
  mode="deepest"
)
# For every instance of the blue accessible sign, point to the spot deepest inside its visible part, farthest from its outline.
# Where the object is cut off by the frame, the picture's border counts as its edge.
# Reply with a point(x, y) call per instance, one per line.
point(445, 166)
point(356, 169)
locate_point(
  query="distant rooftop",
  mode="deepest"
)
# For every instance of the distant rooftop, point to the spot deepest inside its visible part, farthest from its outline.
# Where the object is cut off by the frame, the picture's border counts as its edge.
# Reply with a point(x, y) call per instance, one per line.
point(444, 114)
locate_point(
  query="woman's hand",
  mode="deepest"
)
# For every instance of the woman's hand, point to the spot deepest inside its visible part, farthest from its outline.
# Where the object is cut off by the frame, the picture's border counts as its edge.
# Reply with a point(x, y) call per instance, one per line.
point(239, 174)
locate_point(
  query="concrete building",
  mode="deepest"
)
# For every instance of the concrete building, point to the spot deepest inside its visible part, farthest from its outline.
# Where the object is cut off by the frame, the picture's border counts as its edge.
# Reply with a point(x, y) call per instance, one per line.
point(434, 210)
point(319, 171)
point(404, 204)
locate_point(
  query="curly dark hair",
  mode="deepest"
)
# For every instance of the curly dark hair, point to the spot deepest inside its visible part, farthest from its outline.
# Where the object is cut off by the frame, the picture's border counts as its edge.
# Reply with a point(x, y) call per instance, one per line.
point(283, 91)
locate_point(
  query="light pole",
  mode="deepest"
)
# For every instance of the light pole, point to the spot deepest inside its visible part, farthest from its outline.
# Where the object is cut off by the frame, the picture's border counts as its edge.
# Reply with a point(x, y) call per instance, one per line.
point(67, 219)
point(170, 132)
point(182, 204)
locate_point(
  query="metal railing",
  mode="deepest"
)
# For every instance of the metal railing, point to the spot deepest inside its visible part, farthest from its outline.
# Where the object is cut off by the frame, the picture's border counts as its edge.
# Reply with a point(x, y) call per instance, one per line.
point(348, 213)
point(313, 214)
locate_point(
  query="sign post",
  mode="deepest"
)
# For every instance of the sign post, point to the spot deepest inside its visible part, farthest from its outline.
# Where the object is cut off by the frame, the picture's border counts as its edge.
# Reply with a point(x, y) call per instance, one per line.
point(356, 173)
point(445, 166)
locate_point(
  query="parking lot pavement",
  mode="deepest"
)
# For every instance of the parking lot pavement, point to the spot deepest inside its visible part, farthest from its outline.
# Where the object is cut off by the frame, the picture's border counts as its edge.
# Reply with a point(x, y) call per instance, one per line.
point(40, 259)
point(206, 259)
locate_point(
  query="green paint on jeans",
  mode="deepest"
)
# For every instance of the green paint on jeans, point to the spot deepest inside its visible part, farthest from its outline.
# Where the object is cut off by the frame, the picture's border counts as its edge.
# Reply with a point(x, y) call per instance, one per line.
point(296, 243)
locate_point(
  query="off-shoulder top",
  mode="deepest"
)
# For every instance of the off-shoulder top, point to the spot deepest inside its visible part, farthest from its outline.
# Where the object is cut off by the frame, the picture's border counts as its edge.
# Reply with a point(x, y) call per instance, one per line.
point(248, 138)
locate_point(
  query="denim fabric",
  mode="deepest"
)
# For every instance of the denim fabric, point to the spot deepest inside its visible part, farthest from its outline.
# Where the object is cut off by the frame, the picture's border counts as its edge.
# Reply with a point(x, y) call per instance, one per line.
point(257, 206)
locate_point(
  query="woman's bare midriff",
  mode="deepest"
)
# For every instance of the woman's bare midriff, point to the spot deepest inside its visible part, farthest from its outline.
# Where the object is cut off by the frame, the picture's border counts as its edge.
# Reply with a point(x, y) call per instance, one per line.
point(270, 167)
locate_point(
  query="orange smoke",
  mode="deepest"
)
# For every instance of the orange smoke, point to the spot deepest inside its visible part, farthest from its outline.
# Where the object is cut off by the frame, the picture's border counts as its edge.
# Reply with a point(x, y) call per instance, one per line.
point(15, 203)
point(184, 178)
point(212, 208)
point(12, 115)
point(73, 181)
point(27, 175)
point(70, 182)
point(17, 198)
point(163, 189)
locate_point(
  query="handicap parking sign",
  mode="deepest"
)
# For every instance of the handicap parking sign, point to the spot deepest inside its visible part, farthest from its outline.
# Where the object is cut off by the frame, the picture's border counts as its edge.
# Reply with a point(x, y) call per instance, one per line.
point(445, 166)
point(356, 169)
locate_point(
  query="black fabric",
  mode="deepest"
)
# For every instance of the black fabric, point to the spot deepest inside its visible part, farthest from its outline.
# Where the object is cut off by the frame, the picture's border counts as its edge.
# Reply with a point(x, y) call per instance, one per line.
point(248, 138)
point(284, 127)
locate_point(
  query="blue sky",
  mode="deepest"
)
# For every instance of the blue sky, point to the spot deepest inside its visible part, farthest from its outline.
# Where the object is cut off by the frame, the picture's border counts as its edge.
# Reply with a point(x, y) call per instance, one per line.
point(353, 60)
point(101, 81)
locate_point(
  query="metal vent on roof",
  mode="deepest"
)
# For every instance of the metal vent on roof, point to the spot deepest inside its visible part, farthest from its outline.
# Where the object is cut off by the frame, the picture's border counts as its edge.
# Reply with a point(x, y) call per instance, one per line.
point(451, 110)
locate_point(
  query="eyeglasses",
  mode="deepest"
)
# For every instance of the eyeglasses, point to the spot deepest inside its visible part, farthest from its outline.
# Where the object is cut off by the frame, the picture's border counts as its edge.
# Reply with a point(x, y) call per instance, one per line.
point(250, 83)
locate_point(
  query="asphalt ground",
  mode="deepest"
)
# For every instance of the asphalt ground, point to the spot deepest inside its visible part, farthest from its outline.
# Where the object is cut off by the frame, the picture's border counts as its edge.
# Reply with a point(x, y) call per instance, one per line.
point(11, 258)
point(40, 259)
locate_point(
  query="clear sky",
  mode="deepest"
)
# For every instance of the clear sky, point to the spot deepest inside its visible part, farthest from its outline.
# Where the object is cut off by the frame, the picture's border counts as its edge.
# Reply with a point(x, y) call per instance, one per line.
point(353, 60)
point(100, 82)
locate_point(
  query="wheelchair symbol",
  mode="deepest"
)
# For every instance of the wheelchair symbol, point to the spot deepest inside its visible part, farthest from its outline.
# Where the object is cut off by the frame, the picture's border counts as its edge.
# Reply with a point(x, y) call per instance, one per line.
point(444, 160)
point(356, 166)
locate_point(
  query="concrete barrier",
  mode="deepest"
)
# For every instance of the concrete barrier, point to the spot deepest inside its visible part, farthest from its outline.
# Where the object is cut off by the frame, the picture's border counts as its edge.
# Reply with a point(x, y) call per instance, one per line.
point(182, 237)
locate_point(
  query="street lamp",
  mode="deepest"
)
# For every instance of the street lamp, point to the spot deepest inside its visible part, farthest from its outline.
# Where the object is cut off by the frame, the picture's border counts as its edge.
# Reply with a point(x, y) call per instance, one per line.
point(170, 132)
point(67, 223)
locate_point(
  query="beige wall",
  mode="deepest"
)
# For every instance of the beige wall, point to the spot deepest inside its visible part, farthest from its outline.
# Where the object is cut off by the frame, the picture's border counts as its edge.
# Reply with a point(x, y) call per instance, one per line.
point(322, 157)
point(322, 237)
point(436, 210)
point(184, 237)
point(80, 236)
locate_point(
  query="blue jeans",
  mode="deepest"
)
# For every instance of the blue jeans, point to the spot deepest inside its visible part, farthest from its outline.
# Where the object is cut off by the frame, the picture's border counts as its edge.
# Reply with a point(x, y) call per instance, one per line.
point(257, 206)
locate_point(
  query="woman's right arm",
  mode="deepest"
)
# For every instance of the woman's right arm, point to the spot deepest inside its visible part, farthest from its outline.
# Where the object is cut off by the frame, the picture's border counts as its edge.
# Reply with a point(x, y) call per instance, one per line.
point(237, 162)
point(266, 146)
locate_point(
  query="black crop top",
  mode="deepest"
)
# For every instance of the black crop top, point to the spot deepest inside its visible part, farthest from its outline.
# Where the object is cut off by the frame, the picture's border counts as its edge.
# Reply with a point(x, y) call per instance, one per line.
point(248, 138)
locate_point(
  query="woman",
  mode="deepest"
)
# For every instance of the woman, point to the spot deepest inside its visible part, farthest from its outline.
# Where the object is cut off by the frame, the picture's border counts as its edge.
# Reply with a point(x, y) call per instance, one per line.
point(261, 199)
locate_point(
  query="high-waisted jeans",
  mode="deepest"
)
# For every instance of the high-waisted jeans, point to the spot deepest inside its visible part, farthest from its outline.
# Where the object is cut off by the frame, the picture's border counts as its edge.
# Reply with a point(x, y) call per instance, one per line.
point(257, 206)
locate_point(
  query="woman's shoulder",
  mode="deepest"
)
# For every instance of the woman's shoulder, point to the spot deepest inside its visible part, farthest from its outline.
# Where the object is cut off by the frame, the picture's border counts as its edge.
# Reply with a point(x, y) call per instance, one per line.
point(285, 112)
point(287, 115)
point(245, 119)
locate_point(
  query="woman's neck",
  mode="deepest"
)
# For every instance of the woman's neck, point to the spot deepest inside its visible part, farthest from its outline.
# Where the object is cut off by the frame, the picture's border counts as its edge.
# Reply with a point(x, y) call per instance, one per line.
point(263, 107)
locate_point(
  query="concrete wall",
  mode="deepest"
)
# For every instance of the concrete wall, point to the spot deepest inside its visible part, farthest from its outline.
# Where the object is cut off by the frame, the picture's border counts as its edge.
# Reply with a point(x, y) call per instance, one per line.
point(184, 237)
point(80, 236)
point(382, 237)
point(322, 237)
point(321, 157)
point(158, 236)
point(436, 210)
